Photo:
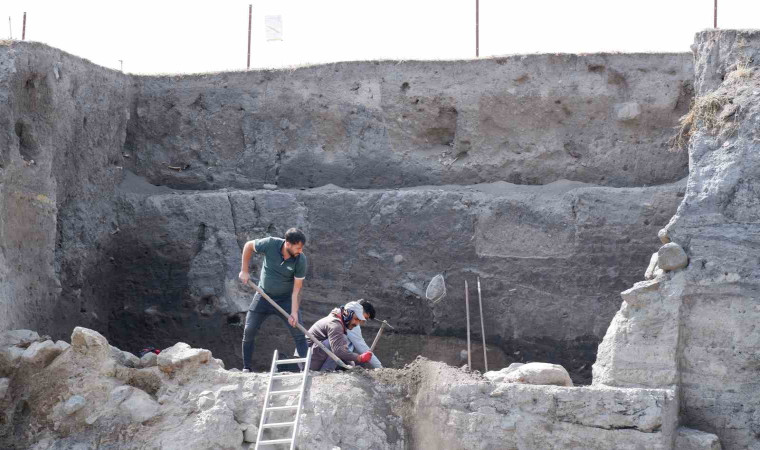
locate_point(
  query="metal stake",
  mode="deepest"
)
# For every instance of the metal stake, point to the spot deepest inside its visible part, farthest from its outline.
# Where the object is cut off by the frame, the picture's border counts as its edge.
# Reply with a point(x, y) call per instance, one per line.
point(250, 12)
point(467, 304)
point(715, 15)
point(23, 29)
point(482, 327)
point(477, 28)
point(10, 29)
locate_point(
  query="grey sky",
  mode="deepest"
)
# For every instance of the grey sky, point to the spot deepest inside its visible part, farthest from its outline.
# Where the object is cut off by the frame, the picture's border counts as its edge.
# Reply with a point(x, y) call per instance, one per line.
point(172, 36)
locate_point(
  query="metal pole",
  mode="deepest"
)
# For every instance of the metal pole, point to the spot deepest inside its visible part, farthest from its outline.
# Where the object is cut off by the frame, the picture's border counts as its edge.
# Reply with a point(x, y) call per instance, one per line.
point(10, 30)
point(23, 29)
point(467, 304)
point(482, 327)
point(715, 15)
point(332, 356)
point(250, 13)
point(477, 28)
point(121, 65)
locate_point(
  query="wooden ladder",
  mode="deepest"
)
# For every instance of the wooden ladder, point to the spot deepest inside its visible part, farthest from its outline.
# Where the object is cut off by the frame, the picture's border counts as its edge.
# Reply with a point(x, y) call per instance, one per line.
point(274, 375)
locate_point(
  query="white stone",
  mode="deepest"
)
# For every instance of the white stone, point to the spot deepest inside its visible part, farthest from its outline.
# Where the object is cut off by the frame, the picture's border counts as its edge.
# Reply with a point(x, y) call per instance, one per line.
point(269, 187)
point(628, 111)
point(539, 373)
point(4, 384)
point(398, 259)
point(21, 338)
point(181, 355)
point(135, 403)
point(689, 439)
point(672, 257)
point(497, 376)
point(649, 273)
point(205, 402)
point(40, 354)
point(251, 433)
point(74, 404)
point(89, 342)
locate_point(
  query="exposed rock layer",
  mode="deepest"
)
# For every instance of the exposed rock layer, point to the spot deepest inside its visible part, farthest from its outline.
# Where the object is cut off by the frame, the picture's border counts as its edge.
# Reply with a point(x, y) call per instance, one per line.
point(697, 328)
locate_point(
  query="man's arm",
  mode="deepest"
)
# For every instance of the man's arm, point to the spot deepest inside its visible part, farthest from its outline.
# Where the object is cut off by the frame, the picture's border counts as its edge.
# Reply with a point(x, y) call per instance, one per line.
point(294, 303)
point(339, 343)
point(248, 249)
point(355, 337)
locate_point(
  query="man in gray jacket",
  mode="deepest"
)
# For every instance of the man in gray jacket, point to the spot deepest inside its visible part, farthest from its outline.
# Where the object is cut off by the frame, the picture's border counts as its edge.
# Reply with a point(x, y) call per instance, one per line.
point(331, 331)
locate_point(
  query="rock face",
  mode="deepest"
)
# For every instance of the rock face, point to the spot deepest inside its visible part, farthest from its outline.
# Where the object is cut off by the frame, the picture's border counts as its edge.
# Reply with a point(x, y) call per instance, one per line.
point(533, 119)
point(549, 255)
point(552, 259)
point(204, 406)
point(696, 328)
point(63, 123)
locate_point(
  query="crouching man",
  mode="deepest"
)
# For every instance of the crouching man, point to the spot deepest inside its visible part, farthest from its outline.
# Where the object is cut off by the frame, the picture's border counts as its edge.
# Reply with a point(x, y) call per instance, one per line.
point(355, 338)
point(331, 331)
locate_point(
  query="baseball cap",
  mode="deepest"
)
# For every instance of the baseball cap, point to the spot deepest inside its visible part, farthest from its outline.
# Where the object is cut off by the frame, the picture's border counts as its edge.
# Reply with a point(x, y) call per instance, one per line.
point(357, 308)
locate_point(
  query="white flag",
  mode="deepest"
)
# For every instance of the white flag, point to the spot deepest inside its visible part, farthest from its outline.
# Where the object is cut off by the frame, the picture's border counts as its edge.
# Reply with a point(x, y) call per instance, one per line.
point(273, 25)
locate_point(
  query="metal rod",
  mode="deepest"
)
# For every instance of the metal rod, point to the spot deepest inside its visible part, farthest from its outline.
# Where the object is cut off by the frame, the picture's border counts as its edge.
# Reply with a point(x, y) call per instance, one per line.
point(23, 29)
point(467, 305)
point(10, 29)
point(482, 328)
point(377, 338)
point(715, 15)
point(477, 28)
point(250, 12)
point(332, 356)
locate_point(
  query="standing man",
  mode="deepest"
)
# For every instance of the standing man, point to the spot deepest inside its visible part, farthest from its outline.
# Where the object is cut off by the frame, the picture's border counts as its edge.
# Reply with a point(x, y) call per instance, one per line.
point(282, 273)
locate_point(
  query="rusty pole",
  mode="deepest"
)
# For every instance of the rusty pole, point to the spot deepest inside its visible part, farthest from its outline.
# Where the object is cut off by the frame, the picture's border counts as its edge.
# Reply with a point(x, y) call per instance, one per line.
point(250, 12)
point(23, 29)
point(715, 15)
point(477, 28)
point(467, 305)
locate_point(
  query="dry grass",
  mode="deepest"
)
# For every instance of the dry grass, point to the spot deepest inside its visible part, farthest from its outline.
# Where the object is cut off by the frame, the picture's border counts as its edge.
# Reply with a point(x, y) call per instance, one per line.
point(705, 112)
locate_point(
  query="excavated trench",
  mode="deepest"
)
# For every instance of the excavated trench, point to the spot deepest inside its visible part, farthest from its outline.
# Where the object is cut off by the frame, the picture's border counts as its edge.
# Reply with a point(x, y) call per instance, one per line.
point(142, 191)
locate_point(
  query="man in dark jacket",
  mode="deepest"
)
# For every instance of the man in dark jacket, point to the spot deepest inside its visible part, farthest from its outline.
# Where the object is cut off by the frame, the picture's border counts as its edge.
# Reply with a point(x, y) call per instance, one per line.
point(331, 331)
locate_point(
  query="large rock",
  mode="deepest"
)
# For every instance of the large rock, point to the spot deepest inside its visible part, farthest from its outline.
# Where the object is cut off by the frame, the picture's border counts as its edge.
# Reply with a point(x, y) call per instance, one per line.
point(539, 373)
point(20, 338)
point(671, 257)
point(90, 342)
point(135, 404)
point(688, 439)
point(182, 356)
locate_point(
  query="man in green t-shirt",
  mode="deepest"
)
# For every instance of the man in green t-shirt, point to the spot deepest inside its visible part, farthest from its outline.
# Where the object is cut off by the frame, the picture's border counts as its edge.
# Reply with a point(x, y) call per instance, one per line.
point(282, 273)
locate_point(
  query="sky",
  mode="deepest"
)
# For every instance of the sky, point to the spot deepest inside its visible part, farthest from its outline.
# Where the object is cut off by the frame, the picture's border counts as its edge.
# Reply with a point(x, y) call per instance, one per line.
point(169, 36)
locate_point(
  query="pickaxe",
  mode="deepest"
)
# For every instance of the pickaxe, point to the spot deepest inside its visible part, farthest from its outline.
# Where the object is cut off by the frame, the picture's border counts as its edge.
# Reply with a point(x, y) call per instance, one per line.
point(379, 333)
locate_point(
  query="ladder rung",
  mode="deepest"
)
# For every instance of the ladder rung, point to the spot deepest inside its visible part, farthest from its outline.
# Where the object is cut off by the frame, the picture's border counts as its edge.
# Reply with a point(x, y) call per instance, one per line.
point(278, 425)
point(289, 391)
point(291, 375)
point(279, 408)
point(291, 361)
point(275, 441)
